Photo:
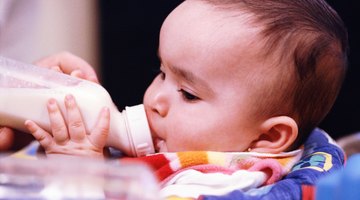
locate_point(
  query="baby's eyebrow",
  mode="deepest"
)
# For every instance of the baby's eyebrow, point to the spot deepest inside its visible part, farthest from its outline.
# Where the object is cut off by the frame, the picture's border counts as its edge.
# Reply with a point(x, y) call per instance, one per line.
point(188, 76)
point(191, 78)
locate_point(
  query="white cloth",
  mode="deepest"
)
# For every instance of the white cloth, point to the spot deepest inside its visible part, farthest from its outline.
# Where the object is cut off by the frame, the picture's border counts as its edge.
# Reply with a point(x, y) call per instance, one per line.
point(191, 183)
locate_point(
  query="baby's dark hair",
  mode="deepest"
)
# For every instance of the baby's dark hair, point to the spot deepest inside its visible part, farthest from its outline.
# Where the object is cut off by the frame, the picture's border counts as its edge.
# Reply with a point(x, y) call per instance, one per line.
point(313, 43)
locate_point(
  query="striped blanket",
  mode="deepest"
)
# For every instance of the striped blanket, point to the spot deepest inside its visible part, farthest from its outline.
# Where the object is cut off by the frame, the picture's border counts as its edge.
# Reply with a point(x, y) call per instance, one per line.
point(283, 176)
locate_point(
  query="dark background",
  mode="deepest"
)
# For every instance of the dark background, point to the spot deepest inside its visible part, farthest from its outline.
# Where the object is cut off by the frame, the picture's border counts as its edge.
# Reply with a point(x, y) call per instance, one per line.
point(129, 42)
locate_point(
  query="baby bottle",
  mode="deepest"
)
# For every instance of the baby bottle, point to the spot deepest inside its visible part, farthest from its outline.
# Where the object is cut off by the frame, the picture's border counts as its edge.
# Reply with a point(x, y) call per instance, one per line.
point(25, 90)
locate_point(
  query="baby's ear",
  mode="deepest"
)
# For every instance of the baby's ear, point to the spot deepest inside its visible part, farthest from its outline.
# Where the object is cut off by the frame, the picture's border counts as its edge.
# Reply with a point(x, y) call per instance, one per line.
point(278, 134)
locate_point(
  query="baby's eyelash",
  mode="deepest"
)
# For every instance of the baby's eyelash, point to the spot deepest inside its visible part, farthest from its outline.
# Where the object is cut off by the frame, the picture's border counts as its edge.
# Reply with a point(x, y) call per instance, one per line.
point(156, 71)
point(187, 95)
point(160, 73)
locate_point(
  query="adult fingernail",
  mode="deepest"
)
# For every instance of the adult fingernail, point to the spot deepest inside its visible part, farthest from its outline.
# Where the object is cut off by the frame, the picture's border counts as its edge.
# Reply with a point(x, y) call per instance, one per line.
point(56, 68)
point(77, 73)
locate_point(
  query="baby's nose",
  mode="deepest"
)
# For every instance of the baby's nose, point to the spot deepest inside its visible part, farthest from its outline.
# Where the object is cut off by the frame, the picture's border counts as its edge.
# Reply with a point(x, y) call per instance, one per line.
point(157, 99)
point(160, 104)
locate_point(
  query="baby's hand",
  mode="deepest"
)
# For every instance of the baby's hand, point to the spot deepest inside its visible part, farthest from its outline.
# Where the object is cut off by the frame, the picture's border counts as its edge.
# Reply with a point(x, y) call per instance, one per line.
point(69, 136)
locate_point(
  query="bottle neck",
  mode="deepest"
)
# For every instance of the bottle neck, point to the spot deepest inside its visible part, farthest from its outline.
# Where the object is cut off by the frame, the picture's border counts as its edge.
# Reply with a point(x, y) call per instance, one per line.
point(130, 132)
point(118, 134)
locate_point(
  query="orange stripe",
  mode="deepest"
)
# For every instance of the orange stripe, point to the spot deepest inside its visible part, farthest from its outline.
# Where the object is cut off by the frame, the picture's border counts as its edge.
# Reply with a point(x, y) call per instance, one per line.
point(192, 158)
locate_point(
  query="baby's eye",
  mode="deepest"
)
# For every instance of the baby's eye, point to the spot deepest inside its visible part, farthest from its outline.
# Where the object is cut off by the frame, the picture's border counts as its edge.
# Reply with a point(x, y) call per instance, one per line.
point(162, 75)
point(188, 96)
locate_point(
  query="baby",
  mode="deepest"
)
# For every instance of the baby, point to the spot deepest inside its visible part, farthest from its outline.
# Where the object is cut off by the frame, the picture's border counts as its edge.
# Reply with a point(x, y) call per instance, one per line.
point(241, 75)
point(235, 76)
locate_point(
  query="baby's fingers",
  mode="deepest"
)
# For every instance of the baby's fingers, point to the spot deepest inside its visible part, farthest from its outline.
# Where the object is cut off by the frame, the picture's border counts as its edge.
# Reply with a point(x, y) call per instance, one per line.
point(58, 126)
point(100, 133)
point(43, 137)
point(76, 125)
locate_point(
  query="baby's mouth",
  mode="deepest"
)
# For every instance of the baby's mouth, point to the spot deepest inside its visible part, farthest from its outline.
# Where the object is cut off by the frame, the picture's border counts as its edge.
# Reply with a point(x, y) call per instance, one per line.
point(160, 145)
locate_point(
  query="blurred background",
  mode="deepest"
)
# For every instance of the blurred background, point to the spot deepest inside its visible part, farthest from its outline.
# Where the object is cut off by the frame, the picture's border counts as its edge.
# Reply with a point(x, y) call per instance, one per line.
point(120, 39)
point(31, 29)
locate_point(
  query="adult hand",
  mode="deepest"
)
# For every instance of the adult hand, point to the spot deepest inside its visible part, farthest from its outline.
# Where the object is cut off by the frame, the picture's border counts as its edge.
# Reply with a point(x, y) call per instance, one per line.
point(69, 64)
point(64, 62)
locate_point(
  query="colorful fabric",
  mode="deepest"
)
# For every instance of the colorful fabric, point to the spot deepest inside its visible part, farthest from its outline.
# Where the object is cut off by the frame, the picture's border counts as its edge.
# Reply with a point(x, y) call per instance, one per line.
point(167, 165)
point(321, 156)
point(29, 152)
point(189, 174)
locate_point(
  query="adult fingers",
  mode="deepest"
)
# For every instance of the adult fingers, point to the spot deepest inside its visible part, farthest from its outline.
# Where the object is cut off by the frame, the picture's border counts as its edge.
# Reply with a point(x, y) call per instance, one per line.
point(77, 131)
point(78, 73)
point(56, 68)
point(100, 133)
point(69, 63)
point(43, 137)
point(58, 126)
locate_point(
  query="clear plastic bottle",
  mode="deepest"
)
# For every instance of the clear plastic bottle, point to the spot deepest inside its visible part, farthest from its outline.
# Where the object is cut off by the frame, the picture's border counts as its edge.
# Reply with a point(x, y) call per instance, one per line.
point(25, 90)
point(77, 178)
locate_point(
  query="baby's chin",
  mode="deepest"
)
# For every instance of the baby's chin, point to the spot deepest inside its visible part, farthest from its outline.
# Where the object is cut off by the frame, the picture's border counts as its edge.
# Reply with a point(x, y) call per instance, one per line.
point(160, 146)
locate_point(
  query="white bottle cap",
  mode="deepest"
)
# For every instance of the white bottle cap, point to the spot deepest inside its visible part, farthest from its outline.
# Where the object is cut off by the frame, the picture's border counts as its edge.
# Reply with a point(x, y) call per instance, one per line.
point(139, 131)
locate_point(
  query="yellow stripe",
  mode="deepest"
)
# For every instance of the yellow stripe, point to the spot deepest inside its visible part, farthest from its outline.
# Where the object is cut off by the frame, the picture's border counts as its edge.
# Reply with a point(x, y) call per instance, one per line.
point(217, 158)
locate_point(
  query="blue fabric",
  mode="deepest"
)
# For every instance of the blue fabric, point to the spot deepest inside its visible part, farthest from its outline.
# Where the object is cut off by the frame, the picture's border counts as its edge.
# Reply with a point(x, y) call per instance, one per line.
point(321, 157)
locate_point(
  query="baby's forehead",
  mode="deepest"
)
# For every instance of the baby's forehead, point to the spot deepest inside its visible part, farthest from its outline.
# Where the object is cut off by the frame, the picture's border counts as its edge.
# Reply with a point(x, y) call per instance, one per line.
point(230, 35)
point(235, 14)
point(222, 22)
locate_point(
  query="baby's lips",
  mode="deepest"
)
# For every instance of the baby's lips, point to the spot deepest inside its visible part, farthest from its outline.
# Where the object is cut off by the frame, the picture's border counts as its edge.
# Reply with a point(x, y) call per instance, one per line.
point(160, 145)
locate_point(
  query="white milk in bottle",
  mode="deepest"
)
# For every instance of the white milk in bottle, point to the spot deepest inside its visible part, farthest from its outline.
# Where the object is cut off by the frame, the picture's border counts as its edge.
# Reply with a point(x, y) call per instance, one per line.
point(25, 90)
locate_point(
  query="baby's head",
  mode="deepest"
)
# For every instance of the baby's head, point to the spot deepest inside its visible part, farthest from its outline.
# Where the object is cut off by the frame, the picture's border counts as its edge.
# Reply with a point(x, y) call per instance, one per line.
point(238, 74)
